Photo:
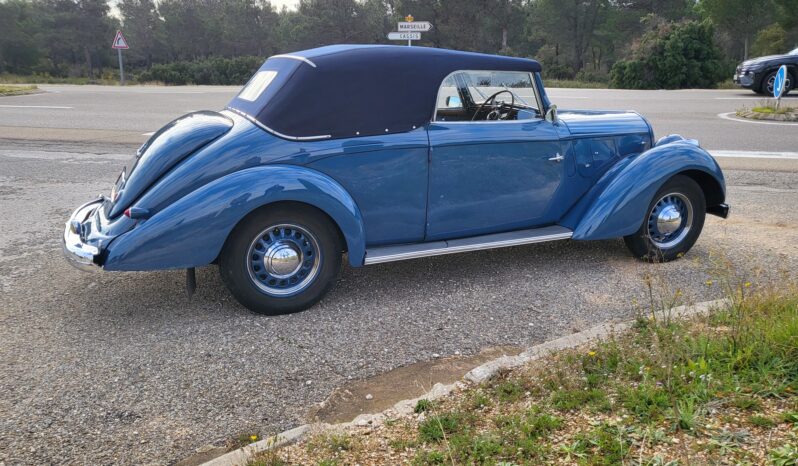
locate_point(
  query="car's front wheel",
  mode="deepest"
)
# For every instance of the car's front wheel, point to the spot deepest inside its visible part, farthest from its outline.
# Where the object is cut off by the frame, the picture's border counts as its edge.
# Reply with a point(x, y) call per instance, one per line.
point(673, 221)
point(281, 259)
point(770, 80)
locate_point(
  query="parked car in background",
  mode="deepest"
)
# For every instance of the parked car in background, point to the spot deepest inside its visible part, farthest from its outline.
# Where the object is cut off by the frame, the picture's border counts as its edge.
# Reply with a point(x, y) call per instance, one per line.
point(389, 153)
point(758, 74)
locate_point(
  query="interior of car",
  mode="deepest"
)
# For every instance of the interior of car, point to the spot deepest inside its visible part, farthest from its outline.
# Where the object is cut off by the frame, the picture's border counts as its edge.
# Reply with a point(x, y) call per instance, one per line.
point(487, 96)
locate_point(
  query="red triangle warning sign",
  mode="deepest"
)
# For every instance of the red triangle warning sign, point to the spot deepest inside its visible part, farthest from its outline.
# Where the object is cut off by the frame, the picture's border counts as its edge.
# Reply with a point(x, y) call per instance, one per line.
point(119, 41)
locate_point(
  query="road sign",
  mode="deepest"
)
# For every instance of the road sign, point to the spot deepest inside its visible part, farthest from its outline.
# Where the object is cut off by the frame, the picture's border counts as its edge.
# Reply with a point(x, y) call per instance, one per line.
point(119, 41)
point(404, 36)
point(780, 82)
point(420, 26)
point(120, 44)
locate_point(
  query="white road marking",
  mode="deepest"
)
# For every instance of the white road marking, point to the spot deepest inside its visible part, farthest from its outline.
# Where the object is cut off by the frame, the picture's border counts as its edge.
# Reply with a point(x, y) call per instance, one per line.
point(34, 106)
point(728, 116)
point(745, 154)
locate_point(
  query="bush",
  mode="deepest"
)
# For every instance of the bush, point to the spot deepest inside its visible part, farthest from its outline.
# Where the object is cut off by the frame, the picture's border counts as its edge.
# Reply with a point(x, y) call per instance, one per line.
point(672, 56)
point(216, 70)
point(769, 41)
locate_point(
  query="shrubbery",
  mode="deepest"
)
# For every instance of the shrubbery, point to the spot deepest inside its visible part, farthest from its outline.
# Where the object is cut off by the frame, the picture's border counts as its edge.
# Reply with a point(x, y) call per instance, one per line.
point(223, 71)
point(672, 56)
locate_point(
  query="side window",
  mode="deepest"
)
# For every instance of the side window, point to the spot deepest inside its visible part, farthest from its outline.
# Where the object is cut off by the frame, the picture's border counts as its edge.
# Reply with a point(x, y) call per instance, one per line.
point(487, 96)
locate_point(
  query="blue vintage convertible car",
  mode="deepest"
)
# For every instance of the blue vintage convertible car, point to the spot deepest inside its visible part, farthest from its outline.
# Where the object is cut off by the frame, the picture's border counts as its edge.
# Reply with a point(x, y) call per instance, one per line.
point(388, 153)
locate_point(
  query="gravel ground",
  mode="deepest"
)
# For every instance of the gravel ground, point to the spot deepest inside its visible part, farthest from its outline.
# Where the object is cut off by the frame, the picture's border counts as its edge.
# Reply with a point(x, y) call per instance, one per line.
point(123, 368)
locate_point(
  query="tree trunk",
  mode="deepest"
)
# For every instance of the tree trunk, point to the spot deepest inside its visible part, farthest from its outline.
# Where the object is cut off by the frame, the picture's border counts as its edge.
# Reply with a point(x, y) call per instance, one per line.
point(504, 38)
point(89, 69)
point(745, 49)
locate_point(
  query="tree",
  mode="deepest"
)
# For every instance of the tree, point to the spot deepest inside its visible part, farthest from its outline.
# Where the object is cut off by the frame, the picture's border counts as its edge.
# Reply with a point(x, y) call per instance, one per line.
point(672, 56)
point(19, 49)
point(770, 41)
point(143, 27)
point(571, 24)
point(78, 29)
point(740, 19)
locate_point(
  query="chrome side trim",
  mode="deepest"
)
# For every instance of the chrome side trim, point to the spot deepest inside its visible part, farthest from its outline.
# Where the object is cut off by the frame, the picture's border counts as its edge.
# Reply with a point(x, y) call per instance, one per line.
point(476, 243)
point(257, 123)
point(79, 254)
point(295, 57)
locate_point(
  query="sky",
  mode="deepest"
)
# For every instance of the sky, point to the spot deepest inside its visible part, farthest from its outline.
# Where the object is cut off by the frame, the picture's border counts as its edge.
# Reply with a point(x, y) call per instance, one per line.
point(291, 4)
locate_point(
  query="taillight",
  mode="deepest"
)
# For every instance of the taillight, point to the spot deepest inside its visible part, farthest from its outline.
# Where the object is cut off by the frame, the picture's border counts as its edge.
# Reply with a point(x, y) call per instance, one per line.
point(136, 212)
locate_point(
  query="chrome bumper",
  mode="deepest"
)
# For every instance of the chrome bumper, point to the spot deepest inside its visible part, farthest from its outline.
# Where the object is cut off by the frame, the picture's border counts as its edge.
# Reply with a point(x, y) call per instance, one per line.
point(78, 253)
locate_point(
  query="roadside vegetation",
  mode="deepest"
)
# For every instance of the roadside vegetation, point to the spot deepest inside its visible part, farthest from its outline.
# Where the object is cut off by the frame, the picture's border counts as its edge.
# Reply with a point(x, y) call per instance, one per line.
point(636, 43)
point(715, 389)
point(770, 110)
point(8, 90)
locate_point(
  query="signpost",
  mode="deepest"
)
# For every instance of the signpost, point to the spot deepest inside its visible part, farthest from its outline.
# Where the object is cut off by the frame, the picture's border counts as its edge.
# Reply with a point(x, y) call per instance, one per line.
point(410, 30)
point(120, 44)
point(408, 36)
point(779, 83)
point(420, 26)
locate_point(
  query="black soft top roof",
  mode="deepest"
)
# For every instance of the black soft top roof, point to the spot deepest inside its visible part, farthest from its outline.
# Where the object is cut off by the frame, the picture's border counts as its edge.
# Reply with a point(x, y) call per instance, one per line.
point(357, 90)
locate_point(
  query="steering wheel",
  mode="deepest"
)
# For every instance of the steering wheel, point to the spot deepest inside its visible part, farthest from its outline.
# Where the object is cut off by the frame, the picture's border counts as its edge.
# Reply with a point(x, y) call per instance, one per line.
point(495, 112)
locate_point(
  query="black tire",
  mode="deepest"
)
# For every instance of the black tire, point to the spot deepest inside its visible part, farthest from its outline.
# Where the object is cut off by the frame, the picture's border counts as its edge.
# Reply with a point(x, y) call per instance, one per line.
point(686, 198)
point(768, 81)
point(251, 259)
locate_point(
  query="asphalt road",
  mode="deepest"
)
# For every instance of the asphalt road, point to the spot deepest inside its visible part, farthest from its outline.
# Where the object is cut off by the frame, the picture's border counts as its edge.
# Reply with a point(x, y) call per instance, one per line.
point(123, 368)
point(112, 114)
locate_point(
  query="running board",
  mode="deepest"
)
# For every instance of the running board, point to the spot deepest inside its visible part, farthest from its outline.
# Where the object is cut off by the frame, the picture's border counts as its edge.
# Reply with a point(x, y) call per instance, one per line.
point(497, 240)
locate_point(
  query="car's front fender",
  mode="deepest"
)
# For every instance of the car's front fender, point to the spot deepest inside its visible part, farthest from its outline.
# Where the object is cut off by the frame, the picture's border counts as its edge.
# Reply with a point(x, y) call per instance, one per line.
point(192, 230)
point(617, 203)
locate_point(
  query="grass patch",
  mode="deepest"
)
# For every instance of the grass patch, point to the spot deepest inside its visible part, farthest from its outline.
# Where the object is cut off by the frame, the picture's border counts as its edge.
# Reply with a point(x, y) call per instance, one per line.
point(772, 109)
point(723, 387)
point(8, 90)
point(107, 79)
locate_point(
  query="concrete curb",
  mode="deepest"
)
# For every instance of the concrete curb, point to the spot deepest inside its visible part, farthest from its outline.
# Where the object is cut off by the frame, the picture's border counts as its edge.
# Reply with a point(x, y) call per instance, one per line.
point(477, 375)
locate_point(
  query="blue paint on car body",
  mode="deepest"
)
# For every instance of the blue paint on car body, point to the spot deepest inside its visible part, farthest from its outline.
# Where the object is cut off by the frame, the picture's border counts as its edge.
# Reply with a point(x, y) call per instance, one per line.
point(593, 172)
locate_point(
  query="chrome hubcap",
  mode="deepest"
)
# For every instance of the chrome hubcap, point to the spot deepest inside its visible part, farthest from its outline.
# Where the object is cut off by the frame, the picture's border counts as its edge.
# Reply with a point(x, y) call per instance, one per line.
point(670, 220)
point(283, 260)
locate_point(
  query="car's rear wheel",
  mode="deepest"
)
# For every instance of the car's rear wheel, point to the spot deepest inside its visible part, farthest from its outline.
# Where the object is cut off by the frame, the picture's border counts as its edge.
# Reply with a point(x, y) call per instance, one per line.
point(281, 259)
point(770, 79)
point(673, 221)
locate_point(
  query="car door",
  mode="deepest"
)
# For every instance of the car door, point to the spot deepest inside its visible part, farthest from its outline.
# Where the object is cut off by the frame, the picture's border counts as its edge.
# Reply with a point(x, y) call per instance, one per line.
point(491, 175)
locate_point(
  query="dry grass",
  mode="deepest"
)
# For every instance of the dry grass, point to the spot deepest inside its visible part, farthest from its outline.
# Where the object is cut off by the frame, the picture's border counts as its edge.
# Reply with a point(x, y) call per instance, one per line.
point(720, 389)
point(8, 90)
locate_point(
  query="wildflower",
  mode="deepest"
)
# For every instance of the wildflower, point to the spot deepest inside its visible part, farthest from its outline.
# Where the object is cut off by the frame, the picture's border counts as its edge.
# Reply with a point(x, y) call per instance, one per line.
point(253, 437)
point(709, 282)
point(592, 354)
point(747, 284)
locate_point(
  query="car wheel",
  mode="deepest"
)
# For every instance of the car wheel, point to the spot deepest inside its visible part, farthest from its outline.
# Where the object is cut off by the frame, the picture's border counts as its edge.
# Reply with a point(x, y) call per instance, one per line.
point(770, 79)
point(281, 260)
point(673, 221)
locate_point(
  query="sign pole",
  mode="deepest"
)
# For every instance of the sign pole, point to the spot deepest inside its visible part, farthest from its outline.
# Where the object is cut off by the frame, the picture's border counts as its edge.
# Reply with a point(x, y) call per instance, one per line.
point(120, 43)
point(121, 68)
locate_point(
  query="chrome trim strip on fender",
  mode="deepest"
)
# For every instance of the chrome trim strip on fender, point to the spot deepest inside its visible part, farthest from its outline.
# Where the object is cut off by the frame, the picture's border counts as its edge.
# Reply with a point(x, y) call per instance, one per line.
point(476, 243)
point(295, 57)
point(257, 123)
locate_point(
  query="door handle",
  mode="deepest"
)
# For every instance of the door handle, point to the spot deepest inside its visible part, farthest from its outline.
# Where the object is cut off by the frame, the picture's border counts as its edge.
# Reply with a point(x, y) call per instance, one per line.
point(557, 158)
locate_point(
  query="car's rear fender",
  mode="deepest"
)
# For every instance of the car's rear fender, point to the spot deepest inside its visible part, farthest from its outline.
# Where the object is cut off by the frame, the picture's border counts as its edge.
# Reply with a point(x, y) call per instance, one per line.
point(616, 205)
point(191, 231)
